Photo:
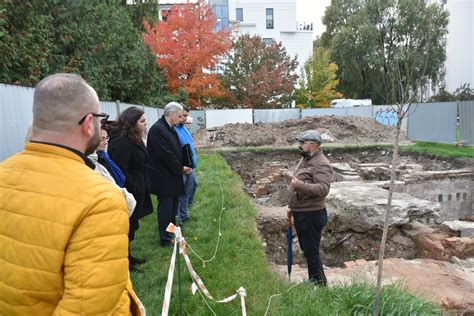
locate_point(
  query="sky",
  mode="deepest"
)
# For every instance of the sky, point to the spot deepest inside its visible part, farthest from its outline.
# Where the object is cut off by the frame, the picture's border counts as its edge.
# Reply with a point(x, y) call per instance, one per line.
point(312, 11)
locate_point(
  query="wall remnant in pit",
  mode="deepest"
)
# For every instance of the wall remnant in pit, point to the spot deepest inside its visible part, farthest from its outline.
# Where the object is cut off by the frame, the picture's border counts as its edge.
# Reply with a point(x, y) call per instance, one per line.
point(356, 171)
point(452, 189)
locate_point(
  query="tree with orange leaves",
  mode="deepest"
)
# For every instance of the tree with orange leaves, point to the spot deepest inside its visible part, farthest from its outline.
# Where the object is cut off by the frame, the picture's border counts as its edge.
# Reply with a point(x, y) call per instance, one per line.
point(188, 49)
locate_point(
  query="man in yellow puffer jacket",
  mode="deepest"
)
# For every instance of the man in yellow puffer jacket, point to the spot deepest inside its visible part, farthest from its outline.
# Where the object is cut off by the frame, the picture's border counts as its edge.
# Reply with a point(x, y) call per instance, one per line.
point(63, 227)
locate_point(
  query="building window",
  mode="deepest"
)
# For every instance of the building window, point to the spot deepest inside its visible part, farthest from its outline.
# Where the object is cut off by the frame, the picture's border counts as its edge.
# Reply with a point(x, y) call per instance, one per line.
point(269, 18)
point(267, 41)
point(239, 14)
point(164, 14)
point(222, 15)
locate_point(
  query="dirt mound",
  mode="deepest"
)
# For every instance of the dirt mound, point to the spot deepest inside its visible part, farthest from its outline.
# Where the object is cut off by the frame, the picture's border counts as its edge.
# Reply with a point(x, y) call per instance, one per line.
point(334, 129)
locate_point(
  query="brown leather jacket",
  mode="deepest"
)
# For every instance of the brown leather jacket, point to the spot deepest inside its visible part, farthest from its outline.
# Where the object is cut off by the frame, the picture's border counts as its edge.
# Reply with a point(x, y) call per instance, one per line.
point(309, 194)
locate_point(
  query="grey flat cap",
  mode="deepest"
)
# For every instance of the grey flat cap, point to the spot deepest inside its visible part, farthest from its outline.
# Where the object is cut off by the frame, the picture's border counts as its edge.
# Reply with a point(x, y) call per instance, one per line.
point(310, 136)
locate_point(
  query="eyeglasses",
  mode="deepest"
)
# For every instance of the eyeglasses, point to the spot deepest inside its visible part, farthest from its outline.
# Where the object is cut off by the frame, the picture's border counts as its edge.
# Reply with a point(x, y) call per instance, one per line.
point(104, 115)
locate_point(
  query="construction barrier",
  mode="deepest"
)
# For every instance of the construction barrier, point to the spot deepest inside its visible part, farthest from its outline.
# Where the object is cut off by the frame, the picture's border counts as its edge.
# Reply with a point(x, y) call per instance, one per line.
point(198, 284)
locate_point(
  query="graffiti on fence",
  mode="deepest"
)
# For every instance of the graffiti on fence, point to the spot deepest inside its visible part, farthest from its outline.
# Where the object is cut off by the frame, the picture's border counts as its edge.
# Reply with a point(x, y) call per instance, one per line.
point(386, 116)
point(201, 122)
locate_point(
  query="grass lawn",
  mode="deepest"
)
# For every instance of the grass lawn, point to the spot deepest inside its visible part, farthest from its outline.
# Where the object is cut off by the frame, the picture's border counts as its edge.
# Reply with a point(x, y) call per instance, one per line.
point(440, 149)
point(240, 261)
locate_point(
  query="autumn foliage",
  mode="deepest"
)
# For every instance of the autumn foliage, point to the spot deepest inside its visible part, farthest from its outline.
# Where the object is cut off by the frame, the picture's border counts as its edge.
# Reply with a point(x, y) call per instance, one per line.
point(318, 82)
point(188, 49)
point(259, 75)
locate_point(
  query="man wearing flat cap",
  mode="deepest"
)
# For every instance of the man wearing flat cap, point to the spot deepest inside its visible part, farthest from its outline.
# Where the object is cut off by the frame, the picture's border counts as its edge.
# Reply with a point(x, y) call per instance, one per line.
point(310, 184)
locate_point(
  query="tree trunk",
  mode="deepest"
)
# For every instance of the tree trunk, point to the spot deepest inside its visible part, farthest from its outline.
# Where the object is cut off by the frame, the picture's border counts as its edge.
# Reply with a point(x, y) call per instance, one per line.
point(378, 290)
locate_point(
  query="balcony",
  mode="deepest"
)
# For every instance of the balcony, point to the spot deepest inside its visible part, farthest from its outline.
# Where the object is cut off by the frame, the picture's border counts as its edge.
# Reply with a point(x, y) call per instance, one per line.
point(304, 26)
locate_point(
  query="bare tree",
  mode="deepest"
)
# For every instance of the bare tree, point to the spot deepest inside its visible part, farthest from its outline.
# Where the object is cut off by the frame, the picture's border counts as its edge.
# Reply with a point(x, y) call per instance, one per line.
point(404, 74)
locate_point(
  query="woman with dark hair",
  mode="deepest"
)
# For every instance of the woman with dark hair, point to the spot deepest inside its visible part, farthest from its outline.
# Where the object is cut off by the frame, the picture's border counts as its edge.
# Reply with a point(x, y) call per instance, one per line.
point(127, 149)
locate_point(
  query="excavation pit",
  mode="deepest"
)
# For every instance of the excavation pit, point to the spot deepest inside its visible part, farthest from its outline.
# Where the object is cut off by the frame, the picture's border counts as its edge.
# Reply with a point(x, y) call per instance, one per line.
point(429, 190)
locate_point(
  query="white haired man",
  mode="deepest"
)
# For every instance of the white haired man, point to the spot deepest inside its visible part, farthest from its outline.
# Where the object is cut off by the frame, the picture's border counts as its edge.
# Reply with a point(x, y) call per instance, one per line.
point(165, 167)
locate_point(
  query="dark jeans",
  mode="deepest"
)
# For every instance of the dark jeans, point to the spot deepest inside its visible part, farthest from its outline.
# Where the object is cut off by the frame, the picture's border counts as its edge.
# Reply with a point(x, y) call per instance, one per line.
point(190, 184)
point(193, 191)
point(167, 210)
point(309, 226)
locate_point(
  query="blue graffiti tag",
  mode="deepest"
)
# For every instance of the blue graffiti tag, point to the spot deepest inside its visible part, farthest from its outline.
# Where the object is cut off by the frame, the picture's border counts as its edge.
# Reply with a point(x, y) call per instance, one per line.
point(386, 116)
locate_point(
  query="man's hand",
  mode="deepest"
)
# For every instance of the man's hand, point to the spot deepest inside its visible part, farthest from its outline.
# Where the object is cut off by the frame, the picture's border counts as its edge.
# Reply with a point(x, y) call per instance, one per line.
point(187, 170)
point(293, 182)
point(289, 213)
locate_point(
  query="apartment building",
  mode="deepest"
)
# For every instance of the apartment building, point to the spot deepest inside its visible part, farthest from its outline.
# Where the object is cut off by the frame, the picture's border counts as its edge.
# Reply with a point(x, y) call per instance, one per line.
point(270, 19)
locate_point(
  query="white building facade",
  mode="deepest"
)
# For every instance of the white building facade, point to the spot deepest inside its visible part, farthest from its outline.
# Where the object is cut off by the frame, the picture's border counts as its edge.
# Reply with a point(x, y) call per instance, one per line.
point(269, 19)
point(272, 20)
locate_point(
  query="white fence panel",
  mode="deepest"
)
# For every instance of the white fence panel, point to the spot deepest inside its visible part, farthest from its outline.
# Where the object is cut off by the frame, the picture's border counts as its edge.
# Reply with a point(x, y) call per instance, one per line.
point(151, 115)
point(199, 120)
point(16, 113)
point(364, 111)
point(124, 106)
point(215, 118)
point(327, 111)
point(275, 115)
point(110, 108)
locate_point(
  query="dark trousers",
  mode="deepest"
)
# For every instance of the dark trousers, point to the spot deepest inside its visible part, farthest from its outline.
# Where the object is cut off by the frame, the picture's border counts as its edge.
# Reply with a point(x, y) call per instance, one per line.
point(133, 225)
point(166, 211)
point(309, 226)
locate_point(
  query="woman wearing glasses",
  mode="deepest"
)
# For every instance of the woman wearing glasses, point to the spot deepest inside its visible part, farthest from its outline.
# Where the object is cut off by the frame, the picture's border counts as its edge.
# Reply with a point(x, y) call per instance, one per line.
point(127, 150)
point(109, 170)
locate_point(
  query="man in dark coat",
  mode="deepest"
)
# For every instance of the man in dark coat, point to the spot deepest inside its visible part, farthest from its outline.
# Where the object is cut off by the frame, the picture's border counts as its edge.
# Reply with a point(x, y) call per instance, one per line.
point(165, 167)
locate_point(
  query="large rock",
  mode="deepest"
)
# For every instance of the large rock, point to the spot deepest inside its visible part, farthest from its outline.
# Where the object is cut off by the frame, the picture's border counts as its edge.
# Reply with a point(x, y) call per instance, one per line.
point(438, 245)
point(431, 246)
point(460, 247)
point(361, 206)
point(374, 171)
point(460, 228)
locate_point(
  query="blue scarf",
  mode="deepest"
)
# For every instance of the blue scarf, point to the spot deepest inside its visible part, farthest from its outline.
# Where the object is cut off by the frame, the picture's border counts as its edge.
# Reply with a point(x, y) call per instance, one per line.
point(115, 171)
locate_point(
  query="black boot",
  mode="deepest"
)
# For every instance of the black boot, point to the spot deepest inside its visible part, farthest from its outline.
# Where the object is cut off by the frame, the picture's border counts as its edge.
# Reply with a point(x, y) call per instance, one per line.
point(134, 260)
point(133, 268)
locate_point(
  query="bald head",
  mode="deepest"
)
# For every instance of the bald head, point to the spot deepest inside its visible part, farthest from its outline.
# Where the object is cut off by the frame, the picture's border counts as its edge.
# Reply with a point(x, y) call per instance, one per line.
point(60, 101)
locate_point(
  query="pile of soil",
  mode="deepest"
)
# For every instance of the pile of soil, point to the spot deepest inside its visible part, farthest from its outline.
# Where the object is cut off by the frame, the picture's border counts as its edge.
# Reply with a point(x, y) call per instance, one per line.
point(353, 130)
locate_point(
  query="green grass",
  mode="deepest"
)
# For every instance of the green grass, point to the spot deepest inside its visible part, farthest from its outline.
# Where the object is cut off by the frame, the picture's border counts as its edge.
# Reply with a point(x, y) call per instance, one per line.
point(240, 261)
point(446, 150)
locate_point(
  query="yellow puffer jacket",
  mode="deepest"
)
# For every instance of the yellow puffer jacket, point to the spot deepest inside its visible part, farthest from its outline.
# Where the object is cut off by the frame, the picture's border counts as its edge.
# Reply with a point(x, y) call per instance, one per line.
point(63, 237)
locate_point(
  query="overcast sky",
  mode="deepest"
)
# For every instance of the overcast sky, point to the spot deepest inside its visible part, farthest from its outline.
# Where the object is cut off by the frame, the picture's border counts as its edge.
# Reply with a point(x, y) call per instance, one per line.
point(312, 11)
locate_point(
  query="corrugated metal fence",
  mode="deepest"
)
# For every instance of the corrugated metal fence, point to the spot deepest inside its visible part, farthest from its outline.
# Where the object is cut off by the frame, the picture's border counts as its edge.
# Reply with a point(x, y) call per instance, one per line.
point(428, 122)
point(434, 122)
point(466, 121)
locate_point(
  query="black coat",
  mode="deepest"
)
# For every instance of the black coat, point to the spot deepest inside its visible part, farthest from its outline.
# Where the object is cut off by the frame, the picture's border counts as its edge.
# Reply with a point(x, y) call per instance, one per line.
point(165, 162)
point(131, 159)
